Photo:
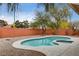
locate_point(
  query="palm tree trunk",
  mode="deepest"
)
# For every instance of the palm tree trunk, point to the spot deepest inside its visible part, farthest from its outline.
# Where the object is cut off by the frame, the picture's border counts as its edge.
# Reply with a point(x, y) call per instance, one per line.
point(43, 30)
point(14, 18)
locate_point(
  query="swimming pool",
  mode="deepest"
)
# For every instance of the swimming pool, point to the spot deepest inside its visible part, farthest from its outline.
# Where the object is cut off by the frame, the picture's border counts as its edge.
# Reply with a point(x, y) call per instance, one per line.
point(46, 44)
point(46, 41)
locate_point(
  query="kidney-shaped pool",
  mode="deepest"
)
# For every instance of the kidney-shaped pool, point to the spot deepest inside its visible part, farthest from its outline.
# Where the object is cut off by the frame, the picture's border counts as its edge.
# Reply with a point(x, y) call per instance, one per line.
point(45, 44)
point(47, 41)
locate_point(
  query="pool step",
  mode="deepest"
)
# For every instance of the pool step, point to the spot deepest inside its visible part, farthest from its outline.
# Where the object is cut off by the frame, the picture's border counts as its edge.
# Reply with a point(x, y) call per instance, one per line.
point(57, 42)
point(64, 41)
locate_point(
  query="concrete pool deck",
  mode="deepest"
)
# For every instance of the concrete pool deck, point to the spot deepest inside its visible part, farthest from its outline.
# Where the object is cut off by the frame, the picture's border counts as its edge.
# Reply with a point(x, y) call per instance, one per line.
point(6, 48)
point(60, 50)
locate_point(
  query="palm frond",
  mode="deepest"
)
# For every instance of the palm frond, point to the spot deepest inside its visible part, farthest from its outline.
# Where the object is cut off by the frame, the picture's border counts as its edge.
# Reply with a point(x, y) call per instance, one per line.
point(47, 6)
point(12, 6)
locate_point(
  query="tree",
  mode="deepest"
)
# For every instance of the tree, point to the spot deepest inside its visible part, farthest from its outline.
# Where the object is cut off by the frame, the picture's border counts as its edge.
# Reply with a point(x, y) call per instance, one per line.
point(23, 24)
point(17, 24)
point(3, 23)
point(75, 25)
point(64, 24)
point(60, 14)
point(57, 11)
point(34, 24)
point(12, 7)
point(42, 21)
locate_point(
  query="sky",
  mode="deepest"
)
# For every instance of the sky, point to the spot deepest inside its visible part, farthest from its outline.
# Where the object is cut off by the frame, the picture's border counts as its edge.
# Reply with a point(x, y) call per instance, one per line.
point(27, 11)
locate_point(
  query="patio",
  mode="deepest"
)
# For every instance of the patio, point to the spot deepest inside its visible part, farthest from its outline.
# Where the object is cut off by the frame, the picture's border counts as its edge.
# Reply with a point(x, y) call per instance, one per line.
point(6, 48)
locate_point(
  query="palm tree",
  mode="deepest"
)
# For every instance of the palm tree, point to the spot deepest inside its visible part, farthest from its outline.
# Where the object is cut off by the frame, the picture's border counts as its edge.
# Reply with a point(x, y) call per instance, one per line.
point(0, 4)
point(47, 6)
point(12, 7)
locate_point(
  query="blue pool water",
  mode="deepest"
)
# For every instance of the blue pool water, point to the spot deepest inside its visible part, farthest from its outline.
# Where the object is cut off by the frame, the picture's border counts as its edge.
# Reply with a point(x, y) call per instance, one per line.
point(47, 41)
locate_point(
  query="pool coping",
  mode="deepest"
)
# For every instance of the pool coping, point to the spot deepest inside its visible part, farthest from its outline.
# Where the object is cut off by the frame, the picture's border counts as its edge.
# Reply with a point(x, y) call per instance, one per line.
point(47, 50)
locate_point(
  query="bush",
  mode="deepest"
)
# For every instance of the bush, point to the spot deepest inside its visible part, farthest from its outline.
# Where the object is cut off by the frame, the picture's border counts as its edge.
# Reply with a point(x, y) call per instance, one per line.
point(3, 23)
point(63, 24)
point(23, 24)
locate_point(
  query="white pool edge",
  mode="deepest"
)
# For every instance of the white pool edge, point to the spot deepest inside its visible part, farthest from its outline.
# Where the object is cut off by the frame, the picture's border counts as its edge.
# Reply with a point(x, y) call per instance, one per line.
point(17, 44)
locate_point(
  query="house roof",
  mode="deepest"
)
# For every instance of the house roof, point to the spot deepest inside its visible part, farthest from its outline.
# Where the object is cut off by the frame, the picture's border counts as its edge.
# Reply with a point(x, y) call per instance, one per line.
point(75, 7)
